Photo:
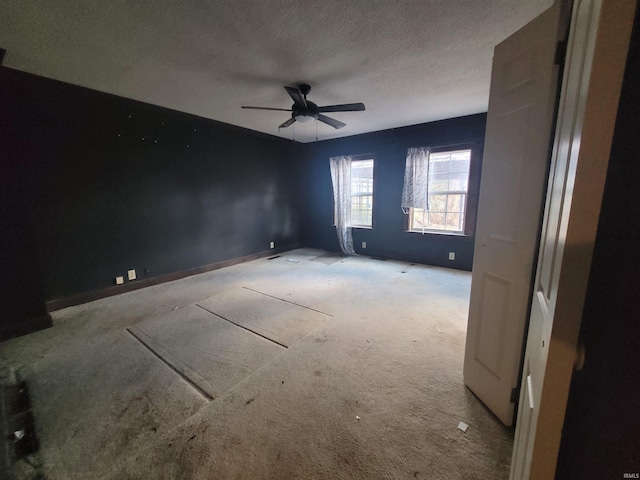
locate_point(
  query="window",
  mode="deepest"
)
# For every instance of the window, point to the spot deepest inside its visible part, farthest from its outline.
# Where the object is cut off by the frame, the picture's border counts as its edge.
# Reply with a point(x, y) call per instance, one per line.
point(362, 193)
point(448, 185)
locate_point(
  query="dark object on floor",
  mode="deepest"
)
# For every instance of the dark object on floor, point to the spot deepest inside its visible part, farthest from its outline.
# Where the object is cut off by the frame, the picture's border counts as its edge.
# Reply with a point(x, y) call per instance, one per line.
point(16, 421)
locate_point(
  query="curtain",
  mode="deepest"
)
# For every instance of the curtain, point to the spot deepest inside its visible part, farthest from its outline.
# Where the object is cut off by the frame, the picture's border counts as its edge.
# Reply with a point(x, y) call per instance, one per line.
point(341, 179)
point(415, 192)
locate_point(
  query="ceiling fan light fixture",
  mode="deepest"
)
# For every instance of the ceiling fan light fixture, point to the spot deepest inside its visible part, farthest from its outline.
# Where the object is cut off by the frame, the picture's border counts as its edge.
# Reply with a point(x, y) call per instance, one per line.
point(302, 118)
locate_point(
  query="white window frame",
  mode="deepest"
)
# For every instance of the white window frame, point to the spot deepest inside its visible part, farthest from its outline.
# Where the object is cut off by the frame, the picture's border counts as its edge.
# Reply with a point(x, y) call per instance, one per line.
point(361, 159)
point(359, 195)
point(413, 212)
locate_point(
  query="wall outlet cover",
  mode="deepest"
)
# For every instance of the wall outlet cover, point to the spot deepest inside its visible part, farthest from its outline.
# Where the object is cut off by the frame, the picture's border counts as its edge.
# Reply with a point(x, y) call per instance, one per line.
point(452, 255)
point(119, 280)
point(272, 244)
point(364, 244)
point(131, 274)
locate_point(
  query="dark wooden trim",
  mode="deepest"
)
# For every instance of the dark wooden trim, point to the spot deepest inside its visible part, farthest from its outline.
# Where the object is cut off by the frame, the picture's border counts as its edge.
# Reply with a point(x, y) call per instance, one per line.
point(60, 303)
point(24, 327)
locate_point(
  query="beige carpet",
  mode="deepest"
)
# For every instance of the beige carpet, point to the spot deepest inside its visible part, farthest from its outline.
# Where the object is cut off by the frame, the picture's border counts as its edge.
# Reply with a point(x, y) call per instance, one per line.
point(328, 258)
point(373, 391)
point(211, 353)
point(270, 317)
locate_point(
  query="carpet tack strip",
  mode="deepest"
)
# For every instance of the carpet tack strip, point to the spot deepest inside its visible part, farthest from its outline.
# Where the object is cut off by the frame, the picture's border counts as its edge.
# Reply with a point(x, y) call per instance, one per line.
point(242, 326)
point(195, 386)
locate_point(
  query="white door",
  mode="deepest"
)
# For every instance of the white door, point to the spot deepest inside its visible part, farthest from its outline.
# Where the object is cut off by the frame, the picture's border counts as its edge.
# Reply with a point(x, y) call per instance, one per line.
point(514, 172)
point(594, 67)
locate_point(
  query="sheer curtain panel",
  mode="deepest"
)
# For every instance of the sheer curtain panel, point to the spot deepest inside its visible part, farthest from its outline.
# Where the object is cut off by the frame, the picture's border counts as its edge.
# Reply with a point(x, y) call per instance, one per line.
point(415, 193)
point(341, 179)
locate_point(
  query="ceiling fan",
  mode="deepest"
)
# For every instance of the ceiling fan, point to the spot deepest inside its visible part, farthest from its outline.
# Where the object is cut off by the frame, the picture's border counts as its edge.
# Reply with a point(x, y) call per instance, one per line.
point(304, 111)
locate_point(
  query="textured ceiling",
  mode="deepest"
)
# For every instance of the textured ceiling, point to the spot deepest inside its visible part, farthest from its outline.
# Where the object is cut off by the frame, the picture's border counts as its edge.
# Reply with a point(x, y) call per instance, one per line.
point(409, 62)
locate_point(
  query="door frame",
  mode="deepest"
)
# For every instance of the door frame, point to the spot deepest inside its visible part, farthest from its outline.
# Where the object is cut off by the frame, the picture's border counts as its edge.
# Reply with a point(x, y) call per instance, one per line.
point(597, 102)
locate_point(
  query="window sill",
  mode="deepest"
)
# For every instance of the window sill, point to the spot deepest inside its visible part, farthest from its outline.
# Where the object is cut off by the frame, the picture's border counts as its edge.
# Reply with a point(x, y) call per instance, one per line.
point(439, 232)
point(360, 227)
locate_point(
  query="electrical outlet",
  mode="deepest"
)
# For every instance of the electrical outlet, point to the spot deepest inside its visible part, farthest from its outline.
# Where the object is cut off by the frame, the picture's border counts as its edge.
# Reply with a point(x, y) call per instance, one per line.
point(119, 280)
point(364, 244)
point(272, 244)
point(452, 255)
point(131, 274)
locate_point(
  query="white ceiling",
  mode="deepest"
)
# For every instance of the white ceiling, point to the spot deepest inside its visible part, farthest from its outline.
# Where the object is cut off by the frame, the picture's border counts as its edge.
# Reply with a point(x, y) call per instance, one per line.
point(408, 61)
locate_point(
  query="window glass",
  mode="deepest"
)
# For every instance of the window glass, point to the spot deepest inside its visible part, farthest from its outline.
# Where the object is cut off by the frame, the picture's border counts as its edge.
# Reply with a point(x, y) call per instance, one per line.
point(362, 193)
point(448, 185)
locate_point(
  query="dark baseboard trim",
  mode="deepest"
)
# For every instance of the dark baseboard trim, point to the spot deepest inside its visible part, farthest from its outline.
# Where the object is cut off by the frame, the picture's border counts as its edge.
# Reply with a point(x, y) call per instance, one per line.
point(25, 327)
point(59, 303)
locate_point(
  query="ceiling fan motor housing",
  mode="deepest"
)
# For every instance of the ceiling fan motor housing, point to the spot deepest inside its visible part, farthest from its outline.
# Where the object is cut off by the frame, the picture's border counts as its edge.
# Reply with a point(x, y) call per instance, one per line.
point(304, 88)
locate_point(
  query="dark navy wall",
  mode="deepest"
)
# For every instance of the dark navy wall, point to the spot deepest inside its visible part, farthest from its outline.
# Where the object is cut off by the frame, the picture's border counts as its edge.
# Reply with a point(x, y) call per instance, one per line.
point(389, 237)
point(22, 293)
point(94, 185)
point(103, 184)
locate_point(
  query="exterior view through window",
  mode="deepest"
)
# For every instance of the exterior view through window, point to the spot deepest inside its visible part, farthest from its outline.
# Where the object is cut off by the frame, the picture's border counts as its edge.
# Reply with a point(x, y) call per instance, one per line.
point(362, 193)
point(448, 184)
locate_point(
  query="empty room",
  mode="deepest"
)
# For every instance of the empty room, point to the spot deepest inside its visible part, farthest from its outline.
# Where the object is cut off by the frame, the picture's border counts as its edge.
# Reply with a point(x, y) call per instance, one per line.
point(319, 239)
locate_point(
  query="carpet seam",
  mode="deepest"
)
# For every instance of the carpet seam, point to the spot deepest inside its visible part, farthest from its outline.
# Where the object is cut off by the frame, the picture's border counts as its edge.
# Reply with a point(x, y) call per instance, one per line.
point(196, 387)
point(242, 326)
point(287, 301)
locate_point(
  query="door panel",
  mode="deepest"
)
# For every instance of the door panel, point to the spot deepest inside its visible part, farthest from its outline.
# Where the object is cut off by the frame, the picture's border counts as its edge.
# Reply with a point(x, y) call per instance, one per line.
point(495, 303)
point(521, 466)
point(519, 126)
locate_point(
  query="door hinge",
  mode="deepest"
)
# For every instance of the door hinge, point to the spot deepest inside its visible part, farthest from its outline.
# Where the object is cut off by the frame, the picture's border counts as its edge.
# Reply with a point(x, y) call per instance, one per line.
point(561, 53)
point(514, 395)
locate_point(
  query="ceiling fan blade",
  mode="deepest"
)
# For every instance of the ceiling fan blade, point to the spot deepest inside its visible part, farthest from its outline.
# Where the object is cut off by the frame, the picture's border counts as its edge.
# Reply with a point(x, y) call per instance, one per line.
point(331, 121)
point(269, 108)
point(347, 107)
point(296, 95)
point(291, 121)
